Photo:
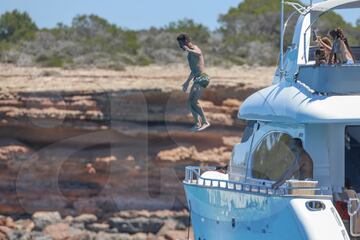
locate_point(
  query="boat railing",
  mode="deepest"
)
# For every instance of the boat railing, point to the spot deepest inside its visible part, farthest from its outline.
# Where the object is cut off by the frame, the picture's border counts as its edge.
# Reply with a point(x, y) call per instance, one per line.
point(193, 177)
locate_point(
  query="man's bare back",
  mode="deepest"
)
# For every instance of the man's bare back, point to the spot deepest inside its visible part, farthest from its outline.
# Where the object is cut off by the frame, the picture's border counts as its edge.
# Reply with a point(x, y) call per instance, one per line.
point(306, 167)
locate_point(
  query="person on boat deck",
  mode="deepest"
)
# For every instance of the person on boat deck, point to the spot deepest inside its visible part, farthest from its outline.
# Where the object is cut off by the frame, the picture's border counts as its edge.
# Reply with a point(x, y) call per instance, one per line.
point(320, 57)
point(325, 44)
point(200, 80)
point(341, 51)
point(302, 166)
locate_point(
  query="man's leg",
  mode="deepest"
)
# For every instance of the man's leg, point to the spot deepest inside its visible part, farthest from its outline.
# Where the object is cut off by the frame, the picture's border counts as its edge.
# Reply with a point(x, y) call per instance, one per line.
point(192, 110)
point(194, 97)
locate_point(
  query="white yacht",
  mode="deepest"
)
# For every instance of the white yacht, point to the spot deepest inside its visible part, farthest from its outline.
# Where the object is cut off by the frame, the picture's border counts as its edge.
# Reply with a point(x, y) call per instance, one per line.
point(319, 105)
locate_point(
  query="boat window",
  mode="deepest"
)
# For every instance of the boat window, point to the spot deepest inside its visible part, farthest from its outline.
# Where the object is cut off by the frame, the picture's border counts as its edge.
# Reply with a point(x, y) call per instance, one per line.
point(249, 129)
point(240, 156)
point(352, 156)
point(272, 156)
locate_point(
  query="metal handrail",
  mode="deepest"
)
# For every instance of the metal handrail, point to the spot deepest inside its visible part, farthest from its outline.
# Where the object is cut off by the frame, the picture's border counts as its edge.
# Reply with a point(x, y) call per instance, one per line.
point(352, 215)
point(193, 176)
point(350, 206)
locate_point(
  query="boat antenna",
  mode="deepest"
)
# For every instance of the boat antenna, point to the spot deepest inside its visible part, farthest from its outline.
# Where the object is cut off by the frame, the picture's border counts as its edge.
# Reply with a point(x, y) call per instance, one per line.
point(282, 41)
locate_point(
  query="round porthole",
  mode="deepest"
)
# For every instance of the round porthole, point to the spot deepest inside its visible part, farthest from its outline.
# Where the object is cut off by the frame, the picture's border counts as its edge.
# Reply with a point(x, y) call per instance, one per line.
point(315, 205)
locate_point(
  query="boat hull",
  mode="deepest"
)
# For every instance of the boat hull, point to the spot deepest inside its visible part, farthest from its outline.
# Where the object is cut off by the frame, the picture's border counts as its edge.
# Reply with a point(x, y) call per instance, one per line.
point(222, 214)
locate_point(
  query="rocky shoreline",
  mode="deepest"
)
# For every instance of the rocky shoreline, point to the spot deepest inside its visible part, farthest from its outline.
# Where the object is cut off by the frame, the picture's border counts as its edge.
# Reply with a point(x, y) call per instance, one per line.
point(125, 225)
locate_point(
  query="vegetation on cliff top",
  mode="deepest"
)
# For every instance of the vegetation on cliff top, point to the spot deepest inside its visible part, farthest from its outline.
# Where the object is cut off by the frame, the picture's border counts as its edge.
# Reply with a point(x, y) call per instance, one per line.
point(248, 34)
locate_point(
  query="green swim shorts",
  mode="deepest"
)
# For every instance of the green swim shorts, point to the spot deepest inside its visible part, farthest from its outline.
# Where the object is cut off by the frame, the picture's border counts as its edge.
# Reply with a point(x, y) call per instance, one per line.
point(203, 80)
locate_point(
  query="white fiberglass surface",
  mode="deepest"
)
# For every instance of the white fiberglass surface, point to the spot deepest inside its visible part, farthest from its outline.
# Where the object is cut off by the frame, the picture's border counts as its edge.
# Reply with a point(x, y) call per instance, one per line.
point(331, 79)
point(294, 103)
point(335, 4)
point(322, 224)
point(213, 175)
point(220, 214)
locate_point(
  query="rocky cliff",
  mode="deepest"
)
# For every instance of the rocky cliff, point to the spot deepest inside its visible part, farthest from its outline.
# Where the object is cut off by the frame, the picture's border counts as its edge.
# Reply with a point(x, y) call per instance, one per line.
point(99, 142)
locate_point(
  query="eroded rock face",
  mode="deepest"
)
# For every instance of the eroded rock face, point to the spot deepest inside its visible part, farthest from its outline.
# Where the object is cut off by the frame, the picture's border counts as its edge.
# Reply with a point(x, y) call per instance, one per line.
point(13, 154)
point(81, 142)
point(181, 154)
point(77, 165)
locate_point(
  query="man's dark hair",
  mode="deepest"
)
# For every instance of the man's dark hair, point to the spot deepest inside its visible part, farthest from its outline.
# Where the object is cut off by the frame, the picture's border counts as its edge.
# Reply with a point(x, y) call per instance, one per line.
point(297, 142)
point(184, 37)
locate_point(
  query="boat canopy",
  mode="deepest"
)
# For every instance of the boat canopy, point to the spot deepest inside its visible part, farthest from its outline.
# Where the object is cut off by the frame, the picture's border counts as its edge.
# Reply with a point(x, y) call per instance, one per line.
point(294, 103)
point(334, 4)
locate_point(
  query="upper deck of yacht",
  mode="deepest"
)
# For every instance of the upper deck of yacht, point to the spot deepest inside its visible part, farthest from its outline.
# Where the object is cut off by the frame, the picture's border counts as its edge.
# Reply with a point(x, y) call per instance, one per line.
point(298, 65)
point(331, 79)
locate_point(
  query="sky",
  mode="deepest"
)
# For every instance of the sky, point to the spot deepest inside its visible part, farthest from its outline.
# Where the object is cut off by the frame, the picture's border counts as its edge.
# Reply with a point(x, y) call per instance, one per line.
point(131, 14)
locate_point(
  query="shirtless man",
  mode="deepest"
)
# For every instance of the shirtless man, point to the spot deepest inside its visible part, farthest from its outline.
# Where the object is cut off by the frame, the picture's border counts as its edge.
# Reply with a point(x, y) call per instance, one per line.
point(201, 80)
point(302, 166)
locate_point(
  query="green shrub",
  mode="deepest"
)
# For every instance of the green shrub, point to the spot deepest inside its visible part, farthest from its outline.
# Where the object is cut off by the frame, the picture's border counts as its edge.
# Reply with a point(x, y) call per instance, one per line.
point(249, 34)
point(143, 60)
point(198, 32)
point(50, 61)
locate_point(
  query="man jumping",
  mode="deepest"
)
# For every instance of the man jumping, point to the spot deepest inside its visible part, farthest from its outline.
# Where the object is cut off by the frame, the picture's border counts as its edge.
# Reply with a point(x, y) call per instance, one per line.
point(201, 81)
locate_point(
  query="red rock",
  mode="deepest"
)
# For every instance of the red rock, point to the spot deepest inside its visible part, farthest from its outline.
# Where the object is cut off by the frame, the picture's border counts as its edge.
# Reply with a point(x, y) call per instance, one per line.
point(5, 231)
point(43, 219)
point(3, 236)
point(24, 225)
point(85, 218)
point(61, 231)
point(217, 155)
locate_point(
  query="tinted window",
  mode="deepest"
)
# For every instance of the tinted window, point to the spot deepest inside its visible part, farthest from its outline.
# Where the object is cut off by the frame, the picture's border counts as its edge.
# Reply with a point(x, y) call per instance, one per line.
point(272, 156)
point(248, 131)
point(352, 156)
